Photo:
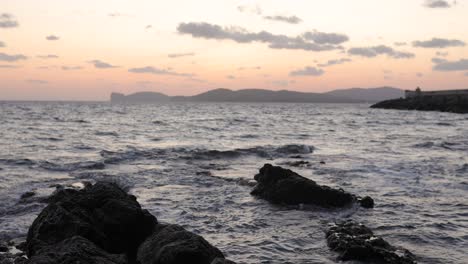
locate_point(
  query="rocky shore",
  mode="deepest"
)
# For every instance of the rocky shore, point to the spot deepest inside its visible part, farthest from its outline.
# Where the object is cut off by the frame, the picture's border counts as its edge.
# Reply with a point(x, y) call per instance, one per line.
point(427, 103)
point(450, 104)
point(102, 223)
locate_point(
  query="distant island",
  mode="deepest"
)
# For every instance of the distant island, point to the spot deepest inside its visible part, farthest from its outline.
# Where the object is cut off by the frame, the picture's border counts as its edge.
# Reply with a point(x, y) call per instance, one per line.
point(454, 101)
point(353, 95)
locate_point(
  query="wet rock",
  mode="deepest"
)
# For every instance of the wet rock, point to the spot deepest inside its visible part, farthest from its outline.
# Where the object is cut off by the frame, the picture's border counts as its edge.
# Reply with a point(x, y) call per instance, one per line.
point(279, 185)
point(3, 247)
point(27, 195)
point(102, 213)
point(75, 250)
point(172, 244)
point(355, 241)
point(427, 103)
point(8, 258)
point(322, 162)
point(299, 163)
point(366, 202)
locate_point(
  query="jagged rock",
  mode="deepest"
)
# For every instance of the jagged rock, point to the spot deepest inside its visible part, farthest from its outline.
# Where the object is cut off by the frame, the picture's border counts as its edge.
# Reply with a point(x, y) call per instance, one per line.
point(3, 247)
point(27, 195)
point(355, 241)
point(279, 185)
point(366, 202)
point(172, 244)
point(75, 250)
point(102, 213)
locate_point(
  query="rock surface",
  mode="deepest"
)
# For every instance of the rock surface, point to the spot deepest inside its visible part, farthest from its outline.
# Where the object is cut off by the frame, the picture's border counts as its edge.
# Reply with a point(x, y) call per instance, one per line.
point(102, 213)
point(279, 185)
point(173, 244)
point(426, 103)
point(355, 241)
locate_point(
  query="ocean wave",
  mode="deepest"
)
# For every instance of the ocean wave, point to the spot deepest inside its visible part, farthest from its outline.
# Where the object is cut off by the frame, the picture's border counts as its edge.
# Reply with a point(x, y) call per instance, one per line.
point(86, 165)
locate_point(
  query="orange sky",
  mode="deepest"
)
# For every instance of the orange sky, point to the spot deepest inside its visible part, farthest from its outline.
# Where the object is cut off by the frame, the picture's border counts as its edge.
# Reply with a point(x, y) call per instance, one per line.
point(230, 44)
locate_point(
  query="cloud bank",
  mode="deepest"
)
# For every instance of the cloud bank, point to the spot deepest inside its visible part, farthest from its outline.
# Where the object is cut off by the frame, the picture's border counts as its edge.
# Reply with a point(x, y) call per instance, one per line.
point(309, 41)
point(157, 71)
point(374, 51)
point(8, 21)
point(445, 65)
point(307, 71)
point(12, 58)
point(439, 43)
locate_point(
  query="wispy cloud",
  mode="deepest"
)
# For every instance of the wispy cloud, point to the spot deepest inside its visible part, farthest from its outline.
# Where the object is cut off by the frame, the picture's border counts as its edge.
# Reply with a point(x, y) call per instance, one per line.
point(12, 58)
point(282, 83)
point(442, 54)
point(101, 64)
point(249, 68)
point(334, 62)
point(307, 71)
point(178, 55)
point(445, 65)
point(436, 4)
point(8, 66)
point(231, 77)
point(400, 43)
point(309, 41)
point(48, 56)
point(439, 43)
point(2, 44)
point(252, 9)
point(52, 37)
point(8, 21)
point(374, 51)
point(71, 68)
point(285, 19)
point(36, 81)
point(157, 71)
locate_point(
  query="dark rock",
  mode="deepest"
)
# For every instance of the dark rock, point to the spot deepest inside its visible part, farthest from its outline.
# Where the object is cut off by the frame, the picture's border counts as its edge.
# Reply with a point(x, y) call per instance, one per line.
point(299, 163)
point(27, 195)
point(279, 185)
point(3, 247)
point(452, 104)
point(75, 250)
point(8, 258)
point(357, 242)
point(102, 213)
point(366, 202)
point(322, 162)
point(172, 244)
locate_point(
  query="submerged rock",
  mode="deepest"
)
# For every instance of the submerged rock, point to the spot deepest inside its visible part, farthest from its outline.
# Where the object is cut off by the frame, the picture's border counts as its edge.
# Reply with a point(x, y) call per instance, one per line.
point(355, 241)
point(279, 185)
point(102, 213)
point(173, 244)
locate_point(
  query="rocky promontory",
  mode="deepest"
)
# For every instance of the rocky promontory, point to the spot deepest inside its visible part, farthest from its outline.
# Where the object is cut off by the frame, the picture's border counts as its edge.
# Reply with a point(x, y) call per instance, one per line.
point(452, 104)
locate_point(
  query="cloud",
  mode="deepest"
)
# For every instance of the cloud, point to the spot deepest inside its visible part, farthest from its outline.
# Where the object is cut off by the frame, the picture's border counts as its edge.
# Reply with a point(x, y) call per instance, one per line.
point(102, 65)
point(178, 55)
point(71, 68)
point(334, 62)
point(232, 77)
point(12, 58)
point(250, 9)
point(466, 74)
point(445, 65)
point(117, 14)
point(310, 41)
point(326, 38)
point(439, 43)
point(2, 44)
point(249, 68)
point(35, 81)
point(7, 21)
point(441, 54)
point(436, 4)
point(374, 51)
point(282, 83)
point(157, 71)
point(48, 56)
point(400, 43)
point(285, 19)
point(418, 74)
point(52, 37)
point(9, 66)
point(148, 26)
point(307, 71)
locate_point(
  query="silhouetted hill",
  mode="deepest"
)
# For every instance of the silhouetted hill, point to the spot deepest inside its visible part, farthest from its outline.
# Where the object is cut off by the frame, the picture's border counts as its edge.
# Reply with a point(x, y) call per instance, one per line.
point(355, 95)
point(369, 95)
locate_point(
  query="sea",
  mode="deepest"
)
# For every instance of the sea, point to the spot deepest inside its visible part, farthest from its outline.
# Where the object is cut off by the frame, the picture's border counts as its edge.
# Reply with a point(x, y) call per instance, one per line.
point(193, 164)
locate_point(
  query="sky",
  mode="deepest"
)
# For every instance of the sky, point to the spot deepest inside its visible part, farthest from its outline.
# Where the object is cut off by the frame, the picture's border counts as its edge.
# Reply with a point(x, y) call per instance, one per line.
point(84, 50)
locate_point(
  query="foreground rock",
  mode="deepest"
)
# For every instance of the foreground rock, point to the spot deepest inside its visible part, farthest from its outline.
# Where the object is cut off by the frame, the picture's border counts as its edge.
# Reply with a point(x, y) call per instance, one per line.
point(426, 103)
point(174, 244)
point(357, 242)
point(103, 224)
point(279, 185)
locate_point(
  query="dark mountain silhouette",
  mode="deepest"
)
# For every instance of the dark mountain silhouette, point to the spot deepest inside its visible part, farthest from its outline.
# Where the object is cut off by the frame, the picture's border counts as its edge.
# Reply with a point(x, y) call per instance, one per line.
point(355, 95)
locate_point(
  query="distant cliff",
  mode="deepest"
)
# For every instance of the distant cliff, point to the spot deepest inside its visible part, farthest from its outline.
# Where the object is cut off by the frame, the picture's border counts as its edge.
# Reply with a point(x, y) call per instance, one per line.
point(355, 95)
point(453, 104)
